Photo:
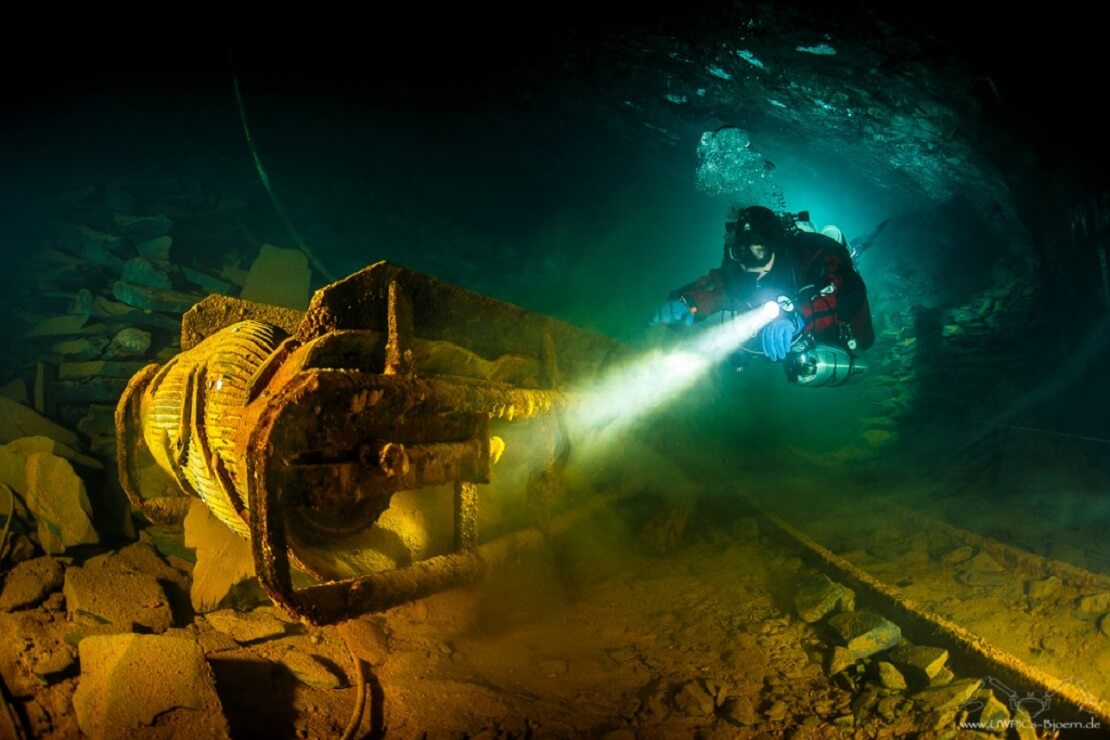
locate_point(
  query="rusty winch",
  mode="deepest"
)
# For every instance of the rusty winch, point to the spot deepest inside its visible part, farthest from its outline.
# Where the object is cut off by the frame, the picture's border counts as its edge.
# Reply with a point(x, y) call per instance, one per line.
point(296, 429)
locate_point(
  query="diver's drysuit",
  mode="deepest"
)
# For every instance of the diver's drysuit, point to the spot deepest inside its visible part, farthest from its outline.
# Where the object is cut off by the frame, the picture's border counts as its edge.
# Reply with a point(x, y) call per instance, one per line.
point(814, 272)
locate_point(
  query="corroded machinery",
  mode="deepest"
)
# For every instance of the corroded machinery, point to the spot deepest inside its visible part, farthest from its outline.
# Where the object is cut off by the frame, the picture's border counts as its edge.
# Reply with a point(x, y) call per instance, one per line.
point(297, 429)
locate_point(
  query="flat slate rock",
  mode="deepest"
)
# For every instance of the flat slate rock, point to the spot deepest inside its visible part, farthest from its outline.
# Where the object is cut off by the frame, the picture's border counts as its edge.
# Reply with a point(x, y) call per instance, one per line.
point(224, 573)
point(248, 627)
point(106, 599)
point(311, 670)
point(819, 596)
point(56, 497)
point(279, 277)
point(142, 228)
point(920, 661)
point(17, 420)
point(29, 582)
point(130, 682)
point(947, 697)
point(865, 633)
point(149, 299)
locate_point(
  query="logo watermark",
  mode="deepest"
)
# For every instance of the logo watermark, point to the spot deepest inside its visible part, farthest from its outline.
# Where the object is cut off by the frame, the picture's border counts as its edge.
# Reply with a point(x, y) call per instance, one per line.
point(1030, 710)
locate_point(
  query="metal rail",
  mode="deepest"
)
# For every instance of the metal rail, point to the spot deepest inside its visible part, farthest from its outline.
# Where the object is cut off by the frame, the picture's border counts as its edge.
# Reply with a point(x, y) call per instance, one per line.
point(977, 652)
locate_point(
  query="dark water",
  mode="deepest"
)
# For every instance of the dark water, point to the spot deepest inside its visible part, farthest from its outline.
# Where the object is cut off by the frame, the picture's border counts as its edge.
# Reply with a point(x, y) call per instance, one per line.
point(545, 169)
point(530, 203)
point(534, 168)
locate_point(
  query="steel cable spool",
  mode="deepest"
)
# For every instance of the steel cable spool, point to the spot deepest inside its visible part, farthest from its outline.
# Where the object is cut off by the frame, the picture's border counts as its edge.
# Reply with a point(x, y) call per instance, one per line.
point(193, 407)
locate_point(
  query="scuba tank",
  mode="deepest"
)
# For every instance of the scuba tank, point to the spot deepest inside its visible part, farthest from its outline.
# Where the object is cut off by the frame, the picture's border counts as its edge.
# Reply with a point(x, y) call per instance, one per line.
point(814, 364)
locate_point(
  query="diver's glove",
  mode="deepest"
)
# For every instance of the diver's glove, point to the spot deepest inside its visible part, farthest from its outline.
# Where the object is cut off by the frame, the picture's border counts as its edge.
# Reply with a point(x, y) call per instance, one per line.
point(674, 311)
point(779, 335)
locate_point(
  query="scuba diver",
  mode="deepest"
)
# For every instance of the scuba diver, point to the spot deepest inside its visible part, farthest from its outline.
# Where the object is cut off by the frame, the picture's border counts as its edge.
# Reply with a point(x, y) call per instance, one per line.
point(825, 319)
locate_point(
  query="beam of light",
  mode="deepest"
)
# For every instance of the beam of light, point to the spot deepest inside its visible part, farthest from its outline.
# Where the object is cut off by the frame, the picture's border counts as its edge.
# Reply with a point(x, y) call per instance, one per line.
point(630, 392)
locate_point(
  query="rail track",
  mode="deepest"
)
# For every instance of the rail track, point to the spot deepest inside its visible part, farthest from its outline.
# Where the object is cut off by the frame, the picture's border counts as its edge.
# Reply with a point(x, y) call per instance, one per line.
point(1029, 622)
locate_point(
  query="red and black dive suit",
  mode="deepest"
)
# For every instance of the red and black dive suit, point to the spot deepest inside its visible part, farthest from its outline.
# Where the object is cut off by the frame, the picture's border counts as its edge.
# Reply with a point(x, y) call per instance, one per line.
point(805, 264)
